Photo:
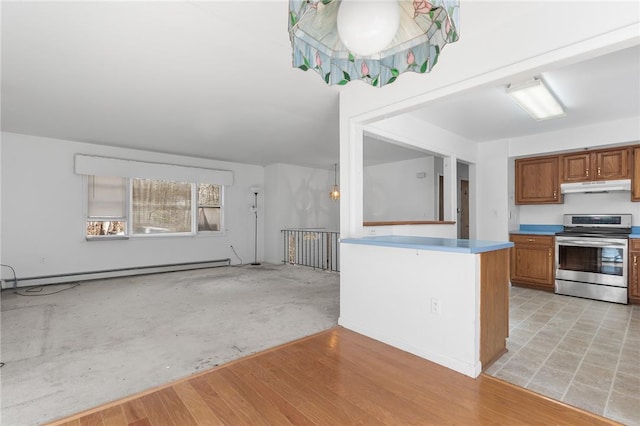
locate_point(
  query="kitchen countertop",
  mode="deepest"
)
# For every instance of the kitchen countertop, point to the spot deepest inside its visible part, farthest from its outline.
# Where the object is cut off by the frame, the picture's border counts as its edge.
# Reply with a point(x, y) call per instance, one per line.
point(430, 243)
point(538, 229)
point(552, 229)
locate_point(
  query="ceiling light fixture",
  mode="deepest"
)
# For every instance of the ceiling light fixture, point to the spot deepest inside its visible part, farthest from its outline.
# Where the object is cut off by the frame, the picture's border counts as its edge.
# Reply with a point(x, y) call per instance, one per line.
point(335, 189)
point(370, 40)
point(536, 99)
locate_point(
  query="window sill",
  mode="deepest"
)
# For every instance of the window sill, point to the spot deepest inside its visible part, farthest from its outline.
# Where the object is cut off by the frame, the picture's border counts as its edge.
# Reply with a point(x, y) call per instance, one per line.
point(107, 238)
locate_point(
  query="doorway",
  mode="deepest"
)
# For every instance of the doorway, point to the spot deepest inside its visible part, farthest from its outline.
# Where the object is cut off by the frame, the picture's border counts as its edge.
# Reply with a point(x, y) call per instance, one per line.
point(464, 209)
point(440, 197)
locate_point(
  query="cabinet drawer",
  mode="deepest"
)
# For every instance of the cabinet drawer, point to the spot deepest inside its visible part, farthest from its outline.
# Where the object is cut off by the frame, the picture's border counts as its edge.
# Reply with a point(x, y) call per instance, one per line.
point(634, 244)
point(543, 240)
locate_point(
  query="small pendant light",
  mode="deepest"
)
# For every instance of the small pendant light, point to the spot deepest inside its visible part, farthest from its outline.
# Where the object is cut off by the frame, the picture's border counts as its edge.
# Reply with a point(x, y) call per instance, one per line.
point(335, 190)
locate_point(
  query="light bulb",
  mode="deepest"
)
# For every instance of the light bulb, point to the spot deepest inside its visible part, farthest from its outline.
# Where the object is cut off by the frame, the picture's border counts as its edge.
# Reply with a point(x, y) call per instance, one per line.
point(367, 27)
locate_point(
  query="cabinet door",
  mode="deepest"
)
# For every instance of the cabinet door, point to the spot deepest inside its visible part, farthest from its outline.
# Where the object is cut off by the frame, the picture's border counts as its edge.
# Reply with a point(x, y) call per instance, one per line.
point(612, 164)
point(635, 182)
point(532, 264)
point(634, 270)
point(537, 181)
point(576, 167)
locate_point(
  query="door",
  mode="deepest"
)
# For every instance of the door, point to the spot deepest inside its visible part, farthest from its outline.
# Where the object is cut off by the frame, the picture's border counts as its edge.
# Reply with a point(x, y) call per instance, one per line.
point(464, 209)
point(440, 198)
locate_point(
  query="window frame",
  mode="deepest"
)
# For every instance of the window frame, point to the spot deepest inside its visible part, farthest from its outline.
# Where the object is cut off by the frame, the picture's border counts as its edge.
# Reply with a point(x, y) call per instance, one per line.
point(88, 218)
point(197, 206)
point(128, 219)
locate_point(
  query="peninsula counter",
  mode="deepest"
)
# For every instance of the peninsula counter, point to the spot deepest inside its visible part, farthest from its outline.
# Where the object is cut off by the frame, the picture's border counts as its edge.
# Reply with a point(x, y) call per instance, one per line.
point(446, 300)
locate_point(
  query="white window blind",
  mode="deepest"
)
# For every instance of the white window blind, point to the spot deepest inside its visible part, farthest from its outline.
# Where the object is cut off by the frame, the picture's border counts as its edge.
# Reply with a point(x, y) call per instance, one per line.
point(104, 166)
point(106, 197)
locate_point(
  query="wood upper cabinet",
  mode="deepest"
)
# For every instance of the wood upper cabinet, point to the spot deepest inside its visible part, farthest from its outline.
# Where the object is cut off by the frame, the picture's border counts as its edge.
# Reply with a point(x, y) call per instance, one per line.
point(634, 270)
point(635, 179)
point(533, 261)
point(576, 167)
point(606, 164)
point(537, 180)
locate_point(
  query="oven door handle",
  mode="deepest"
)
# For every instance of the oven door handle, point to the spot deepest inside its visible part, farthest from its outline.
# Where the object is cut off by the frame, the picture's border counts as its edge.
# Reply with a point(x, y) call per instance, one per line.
point(590, 243)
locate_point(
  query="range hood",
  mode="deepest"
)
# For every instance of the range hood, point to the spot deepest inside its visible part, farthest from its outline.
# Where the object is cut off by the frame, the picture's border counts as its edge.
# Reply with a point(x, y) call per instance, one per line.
point(596, 186)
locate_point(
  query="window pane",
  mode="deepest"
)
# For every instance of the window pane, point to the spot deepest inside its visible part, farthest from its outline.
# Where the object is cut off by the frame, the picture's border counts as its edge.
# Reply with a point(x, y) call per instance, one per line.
point(105, 227)
point(208, 195)
point(208, 218)
point(106, 196)
point(160, 206)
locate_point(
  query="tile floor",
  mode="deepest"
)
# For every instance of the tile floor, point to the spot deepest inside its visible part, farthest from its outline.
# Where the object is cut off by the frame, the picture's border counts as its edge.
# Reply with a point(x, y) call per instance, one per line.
point(582, 352)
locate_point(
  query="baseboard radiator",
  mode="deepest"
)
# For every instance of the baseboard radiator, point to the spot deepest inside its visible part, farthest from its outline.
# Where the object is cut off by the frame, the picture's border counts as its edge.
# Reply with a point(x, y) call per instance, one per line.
point(112, 273)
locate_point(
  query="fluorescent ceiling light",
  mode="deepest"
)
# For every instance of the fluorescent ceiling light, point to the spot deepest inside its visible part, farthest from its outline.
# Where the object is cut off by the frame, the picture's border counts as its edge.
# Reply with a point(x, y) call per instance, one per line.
point(535, 98)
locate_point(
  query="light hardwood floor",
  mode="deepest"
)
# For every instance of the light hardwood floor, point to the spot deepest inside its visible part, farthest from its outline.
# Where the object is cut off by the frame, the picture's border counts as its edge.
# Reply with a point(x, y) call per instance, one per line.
point(336, 377)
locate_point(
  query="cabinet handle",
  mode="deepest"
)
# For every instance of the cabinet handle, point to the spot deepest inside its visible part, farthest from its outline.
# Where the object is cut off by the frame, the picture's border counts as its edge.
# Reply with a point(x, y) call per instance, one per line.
point(635, 259)
point(549, 252)
point(555, 194)
point(598, 171)
point(531, 239)
point(587, 172)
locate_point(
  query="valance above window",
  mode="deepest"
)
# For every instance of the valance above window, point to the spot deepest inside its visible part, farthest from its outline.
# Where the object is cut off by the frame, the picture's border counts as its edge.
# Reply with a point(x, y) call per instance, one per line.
point(104, 166)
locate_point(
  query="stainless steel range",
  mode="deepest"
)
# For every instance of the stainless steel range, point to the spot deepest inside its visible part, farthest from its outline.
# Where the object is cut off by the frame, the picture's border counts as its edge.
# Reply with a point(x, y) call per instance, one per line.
point(591, 256)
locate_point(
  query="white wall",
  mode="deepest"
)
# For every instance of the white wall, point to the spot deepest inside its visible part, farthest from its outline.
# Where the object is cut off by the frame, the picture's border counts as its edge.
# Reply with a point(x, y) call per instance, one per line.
point(551, 214)
point(620, 132)
point(393, 192)
point(483, 55)
point(3, 274)
point(297, 197)
point(493, 188)
point(386, 293)
point(408, 130)
point(42, 212)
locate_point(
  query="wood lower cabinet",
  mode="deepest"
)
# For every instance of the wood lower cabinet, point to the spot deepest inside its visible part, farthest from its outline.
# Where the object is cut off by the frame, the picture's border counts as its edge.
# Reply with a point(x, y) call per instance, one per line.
point(605, 164)
point(533, 261)
point(634, 270)
point(537, 180)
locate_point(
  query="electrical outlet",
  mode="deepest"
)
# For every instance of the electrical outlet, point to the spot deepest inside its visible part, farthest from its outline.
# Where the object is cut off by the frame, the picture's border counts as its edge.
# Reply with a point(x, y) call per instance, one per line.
point(435, 306)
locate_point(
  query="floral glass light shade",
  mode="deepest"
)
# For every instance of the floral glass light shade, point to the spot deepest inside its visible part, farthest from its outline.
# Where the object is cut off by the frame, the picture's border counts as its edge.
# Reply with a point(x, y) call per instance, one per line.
point(423, 29)
point(334, 194)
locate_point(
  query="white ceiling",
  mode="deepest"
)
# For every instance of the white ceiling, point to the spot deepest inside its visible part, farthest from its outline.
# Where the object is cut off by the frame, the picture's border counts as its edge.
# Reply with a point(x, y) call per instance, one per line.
point(602, 89)
point(214, 80)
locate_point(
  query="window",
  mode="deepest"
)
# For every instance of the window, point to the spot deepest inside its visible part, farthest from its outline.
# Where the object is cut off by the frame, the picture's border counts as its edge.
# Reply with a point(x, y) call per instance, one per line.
point(209, 207)
point(122, 207)
point(106, 206)
point(159, 206)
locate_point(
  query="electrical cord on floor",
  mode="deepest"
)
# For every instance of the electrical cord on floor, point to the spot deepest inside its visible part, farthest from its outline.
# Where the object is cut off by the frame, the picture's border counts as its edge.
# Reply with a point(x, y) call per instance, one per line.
point(236, 253)
point(37, 291)
point(15, 279)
